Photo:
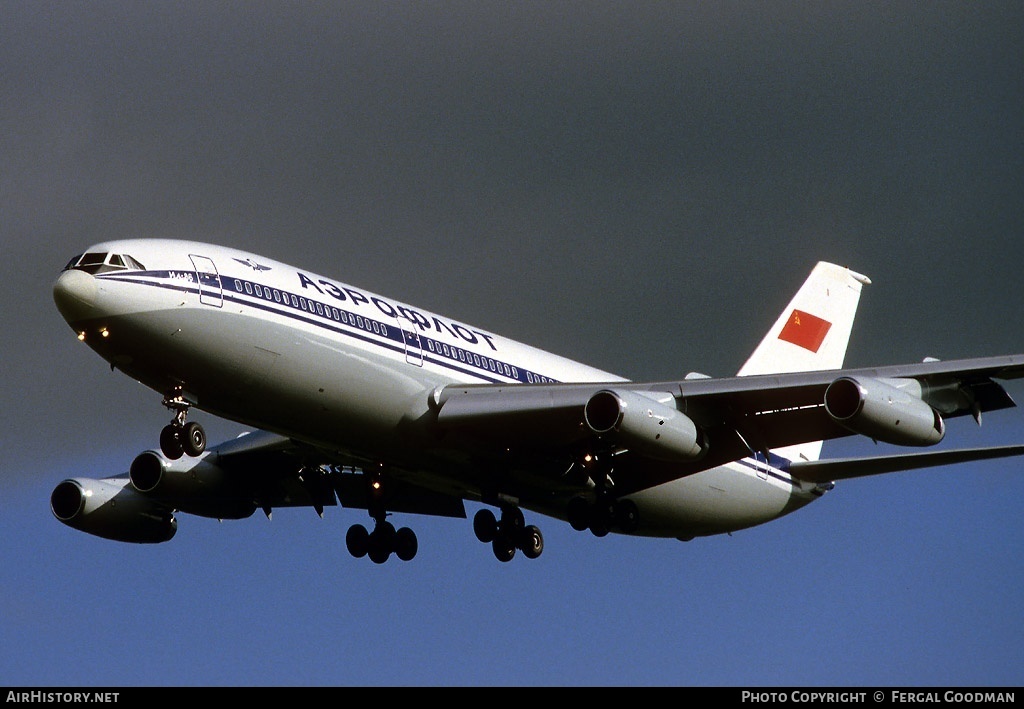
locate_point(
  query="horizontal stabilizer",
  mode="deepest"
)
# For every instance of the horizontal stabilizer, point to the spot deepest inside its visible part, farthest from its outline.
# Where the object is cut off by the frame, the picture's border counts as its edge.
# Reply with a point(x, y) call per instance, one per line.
point(820, 471)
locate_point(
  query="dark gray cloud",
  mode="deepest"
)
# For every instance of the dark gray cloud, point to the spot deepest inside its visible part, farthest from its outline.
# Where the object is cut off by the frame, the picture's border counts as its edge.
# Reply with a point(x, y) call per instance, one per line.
point(615, 182)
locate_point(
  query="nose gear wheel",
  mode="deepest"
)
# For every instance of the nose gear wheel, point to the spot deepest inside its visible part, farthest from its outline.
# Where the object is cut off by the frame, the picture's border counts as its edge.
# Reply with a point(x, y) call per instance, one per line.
point(178, 437)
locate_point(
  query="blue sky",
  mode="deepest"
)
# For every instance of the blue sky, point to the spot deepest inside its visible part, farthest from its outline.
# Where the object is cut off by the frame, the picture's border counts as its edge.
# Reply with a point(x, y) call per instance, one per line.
point(638, 187)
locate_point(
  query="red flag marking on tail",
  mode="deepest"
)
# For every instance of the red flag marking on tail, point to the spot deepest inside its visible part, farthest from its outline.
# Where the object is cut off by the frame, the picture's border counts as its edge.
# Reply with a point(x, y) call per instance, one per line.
point(805, 330)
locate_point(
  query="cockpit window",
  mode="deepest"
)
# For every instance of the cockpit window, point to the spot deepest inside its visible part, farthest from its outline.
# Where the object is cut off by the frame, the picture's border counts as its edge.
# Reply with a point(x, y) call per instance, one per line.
point(96, 262)
point(131, 263)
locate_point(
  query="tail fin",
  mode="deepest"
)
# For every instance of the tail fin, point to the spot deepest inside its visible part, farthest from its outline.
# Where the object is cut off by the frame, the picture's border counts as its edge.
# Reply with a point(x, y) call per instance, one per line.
point(813, 331)
point(811, 334)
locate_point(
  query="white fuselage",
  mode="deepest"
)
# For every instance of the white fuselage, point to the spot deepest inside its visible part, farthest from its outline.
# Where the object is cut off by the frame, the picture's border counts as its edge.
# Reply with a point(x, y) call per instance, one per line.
point(312, 358)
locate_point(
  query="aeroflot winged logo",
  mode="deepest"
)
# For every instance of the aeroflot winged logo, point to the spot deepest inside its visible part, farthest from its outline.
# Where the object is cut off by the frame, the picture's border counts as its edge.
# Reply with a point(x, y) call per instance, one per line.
point(252, 264)
point(805, 330)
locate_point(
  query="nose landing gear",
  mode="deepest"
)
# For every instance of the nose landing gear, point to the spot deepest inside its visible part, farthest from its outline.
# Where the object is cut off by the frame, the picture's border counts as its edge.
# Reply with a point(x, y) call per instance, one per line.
point(179, 438)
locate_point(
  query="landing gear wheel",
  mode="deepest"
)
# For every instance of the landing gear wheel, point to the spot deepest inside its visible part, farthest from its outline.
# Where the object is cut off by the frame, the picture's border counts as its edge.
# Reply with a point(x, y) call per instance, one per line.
point(170, 442)
point(578, 513)
point(512, 520)
point(382, 542)
point(193, 439)
point(503, 548)
point(378, 552)
point(627, 516)
point(532, 543)
point(357, 540)
point(485, 526)
point(405, 544)
point(602, 516)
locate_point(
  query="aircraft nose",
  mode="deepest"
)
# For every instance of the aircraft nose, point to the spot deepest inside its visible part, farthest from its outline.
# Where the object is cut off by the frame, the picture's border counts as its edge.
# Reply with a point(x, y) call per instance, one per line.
point(74, 292)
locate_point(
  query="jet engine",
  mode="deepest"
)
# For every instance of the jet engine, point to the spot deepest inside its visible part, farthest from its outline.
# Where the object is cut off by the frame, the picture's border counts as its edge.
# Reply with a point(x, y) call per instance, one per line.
point(112, 509)
point(886, 410)
point(195, 485)
point(645, 425)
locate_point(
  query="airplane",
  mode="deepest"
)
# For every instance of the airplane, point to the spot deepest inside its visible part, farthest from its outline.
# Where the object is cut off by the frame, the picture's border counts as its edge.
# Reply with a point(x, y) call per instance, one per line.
point(360, 400)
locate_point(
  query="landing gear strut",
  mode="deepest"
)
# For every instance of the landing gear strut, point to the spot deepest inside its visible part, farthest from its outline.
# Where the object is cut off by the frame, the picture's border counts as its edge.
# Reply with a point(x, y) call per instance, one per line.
point(508, 534)
point(179, 438)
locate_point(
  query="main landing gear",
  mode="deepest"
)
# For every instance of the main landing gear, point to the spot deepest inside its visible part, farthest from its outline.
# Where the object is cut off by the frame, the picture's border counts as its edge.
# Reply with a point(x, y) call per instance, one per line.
point(507, 534)
point(605, 512)
point(381, 542)
point(179, 438)
point(384, 540)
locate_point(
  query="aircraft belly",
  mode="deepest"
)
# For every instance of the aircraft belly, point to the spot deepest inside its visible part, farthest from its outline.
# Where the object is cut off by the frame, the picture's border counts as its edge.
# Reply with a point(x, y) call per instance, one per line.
point(723, 499)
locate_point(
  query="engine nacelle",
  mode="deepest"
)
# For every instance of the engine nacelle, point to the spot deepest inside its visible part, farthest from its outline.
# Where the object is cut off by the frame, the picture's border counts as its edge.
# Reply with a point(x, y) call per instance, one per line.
point(645, 425)
point(886, 410)
point(112, 509)
point(194, 485)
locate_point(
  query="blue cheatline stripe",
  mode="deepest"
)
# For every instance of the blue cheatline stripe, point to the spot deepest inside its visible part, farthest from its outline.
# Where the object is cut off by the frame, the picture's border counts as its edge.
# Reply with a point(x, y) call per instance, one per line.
point(338, 320)
point(776, 468)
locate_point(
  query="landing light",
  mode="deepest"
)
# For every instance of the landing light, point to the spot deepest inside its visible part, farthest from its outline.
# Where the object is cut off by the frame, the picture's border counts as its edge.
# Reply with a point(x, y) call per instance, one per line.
point(104, 332)
point(81, 336)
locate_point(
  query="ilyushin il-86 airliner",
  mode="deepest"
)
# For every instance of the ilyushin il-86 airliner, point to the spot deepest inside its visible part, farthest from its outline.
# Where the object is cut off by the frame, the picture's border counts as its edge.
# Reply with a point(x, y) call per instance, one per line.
point(357, 399)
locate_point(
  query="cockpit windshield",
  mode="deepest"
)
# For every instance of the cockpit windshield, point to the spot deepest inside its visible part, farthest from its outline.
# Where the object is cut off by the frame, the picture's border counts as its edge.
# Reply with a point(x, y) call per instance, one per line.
point(103, 263)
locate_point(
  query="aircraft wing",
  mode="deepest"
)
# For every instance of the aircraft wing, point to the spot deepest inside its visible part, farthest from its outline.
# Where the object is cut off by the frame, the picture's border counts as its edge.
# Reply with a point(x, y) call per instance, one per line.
point(276, 471)
point(737, 415)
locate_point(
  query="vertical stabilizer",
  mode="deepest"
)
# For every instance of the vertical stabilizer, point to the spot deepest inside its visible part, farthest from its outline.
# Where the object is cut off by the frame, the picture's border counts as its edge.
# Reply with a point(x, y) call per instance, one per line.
point(811, 334)
point(813, 331)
